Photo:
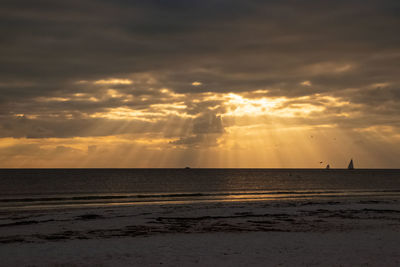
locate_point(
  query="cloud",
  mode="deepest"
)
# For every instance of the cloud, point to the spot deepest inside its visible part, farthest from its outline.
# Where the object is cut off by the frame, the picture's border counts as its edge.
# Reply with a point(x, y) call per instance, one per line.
point(206, 130)
point(196, 83)
point(170, 68)
point(113, 81)
point(306, 83)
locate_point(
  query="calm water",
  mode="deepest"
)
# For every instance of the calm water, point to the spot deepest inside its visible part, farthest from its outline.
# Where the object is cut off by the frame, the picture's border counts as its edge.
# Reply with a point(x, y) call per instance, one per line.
point(30, 188)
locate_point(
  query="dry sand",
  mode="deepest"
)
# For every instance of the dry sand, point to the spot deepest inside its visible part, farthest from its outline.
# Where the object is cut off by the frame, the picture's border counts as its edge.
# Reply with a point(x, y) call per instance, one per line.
point(350, 232)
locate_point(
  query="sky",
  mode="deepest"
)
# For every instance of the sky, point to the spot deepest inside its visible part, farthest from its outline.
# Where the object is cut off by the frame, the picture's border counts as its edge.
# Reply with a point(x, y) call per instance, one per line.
point(222, 83)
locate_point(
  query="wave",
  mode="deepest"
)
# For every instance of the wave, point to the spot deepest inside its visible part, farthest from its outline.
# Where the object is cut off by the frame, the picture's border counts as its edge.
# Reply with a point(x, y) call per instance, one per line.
point(174, 196)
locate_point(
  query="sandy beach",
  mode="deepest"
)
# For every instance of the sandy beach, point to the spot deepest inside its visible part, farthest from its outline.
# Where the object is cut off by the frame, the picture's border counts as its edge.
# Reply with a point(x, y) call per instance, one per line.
point(344, 232)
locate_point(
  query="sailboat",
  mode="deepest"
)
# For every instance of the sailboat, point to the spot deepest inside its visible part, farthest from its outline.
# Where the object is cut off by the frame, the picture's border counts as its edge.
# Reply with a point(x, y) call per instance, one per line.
point(351, 165)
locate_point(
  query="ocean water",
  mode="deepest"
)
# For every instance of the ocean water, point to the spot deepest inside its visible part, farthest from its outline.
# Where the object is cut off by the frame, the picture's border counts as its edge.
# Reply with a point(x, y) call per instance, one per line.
point(50, 188)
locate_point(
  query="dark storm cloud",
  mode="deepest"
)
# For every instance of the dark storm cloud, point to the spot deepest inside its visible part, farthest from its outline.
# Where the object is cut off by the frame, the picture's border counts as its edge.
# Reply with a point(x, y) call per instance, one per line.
point(205, 131)
point(23, 127)
point(342, 47)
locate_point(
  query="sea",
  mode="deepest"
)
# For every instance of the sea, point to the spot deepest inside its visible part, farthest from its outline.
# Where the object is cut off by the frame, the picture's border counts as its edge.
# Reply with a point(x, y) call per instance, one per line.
point(63, 188)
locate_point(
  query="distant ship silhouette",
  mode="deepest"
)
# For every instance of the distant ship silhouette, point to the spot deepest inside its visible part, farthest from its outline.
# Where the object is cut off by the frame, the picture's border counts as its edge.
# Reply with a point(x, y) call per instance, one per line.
point(351, 165)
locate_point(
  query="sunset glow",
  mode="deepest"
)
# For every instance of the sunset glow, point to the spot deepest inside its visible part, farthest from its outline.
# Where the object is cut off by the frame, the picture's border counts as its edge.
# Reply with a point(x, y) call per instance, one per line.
point(250, 89)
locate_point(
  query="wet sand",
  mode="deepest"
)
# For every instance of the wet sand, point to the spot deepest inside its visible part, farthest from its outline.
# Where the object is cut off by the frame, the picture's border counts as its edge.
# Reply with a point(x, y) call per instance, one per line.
point(302, 233)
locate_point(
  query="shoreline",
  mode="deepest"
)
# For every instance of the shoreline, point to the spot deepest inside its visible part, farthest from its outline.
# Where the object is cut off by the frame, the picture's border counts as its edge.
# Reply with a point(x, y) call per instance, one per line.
point(66, 201)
